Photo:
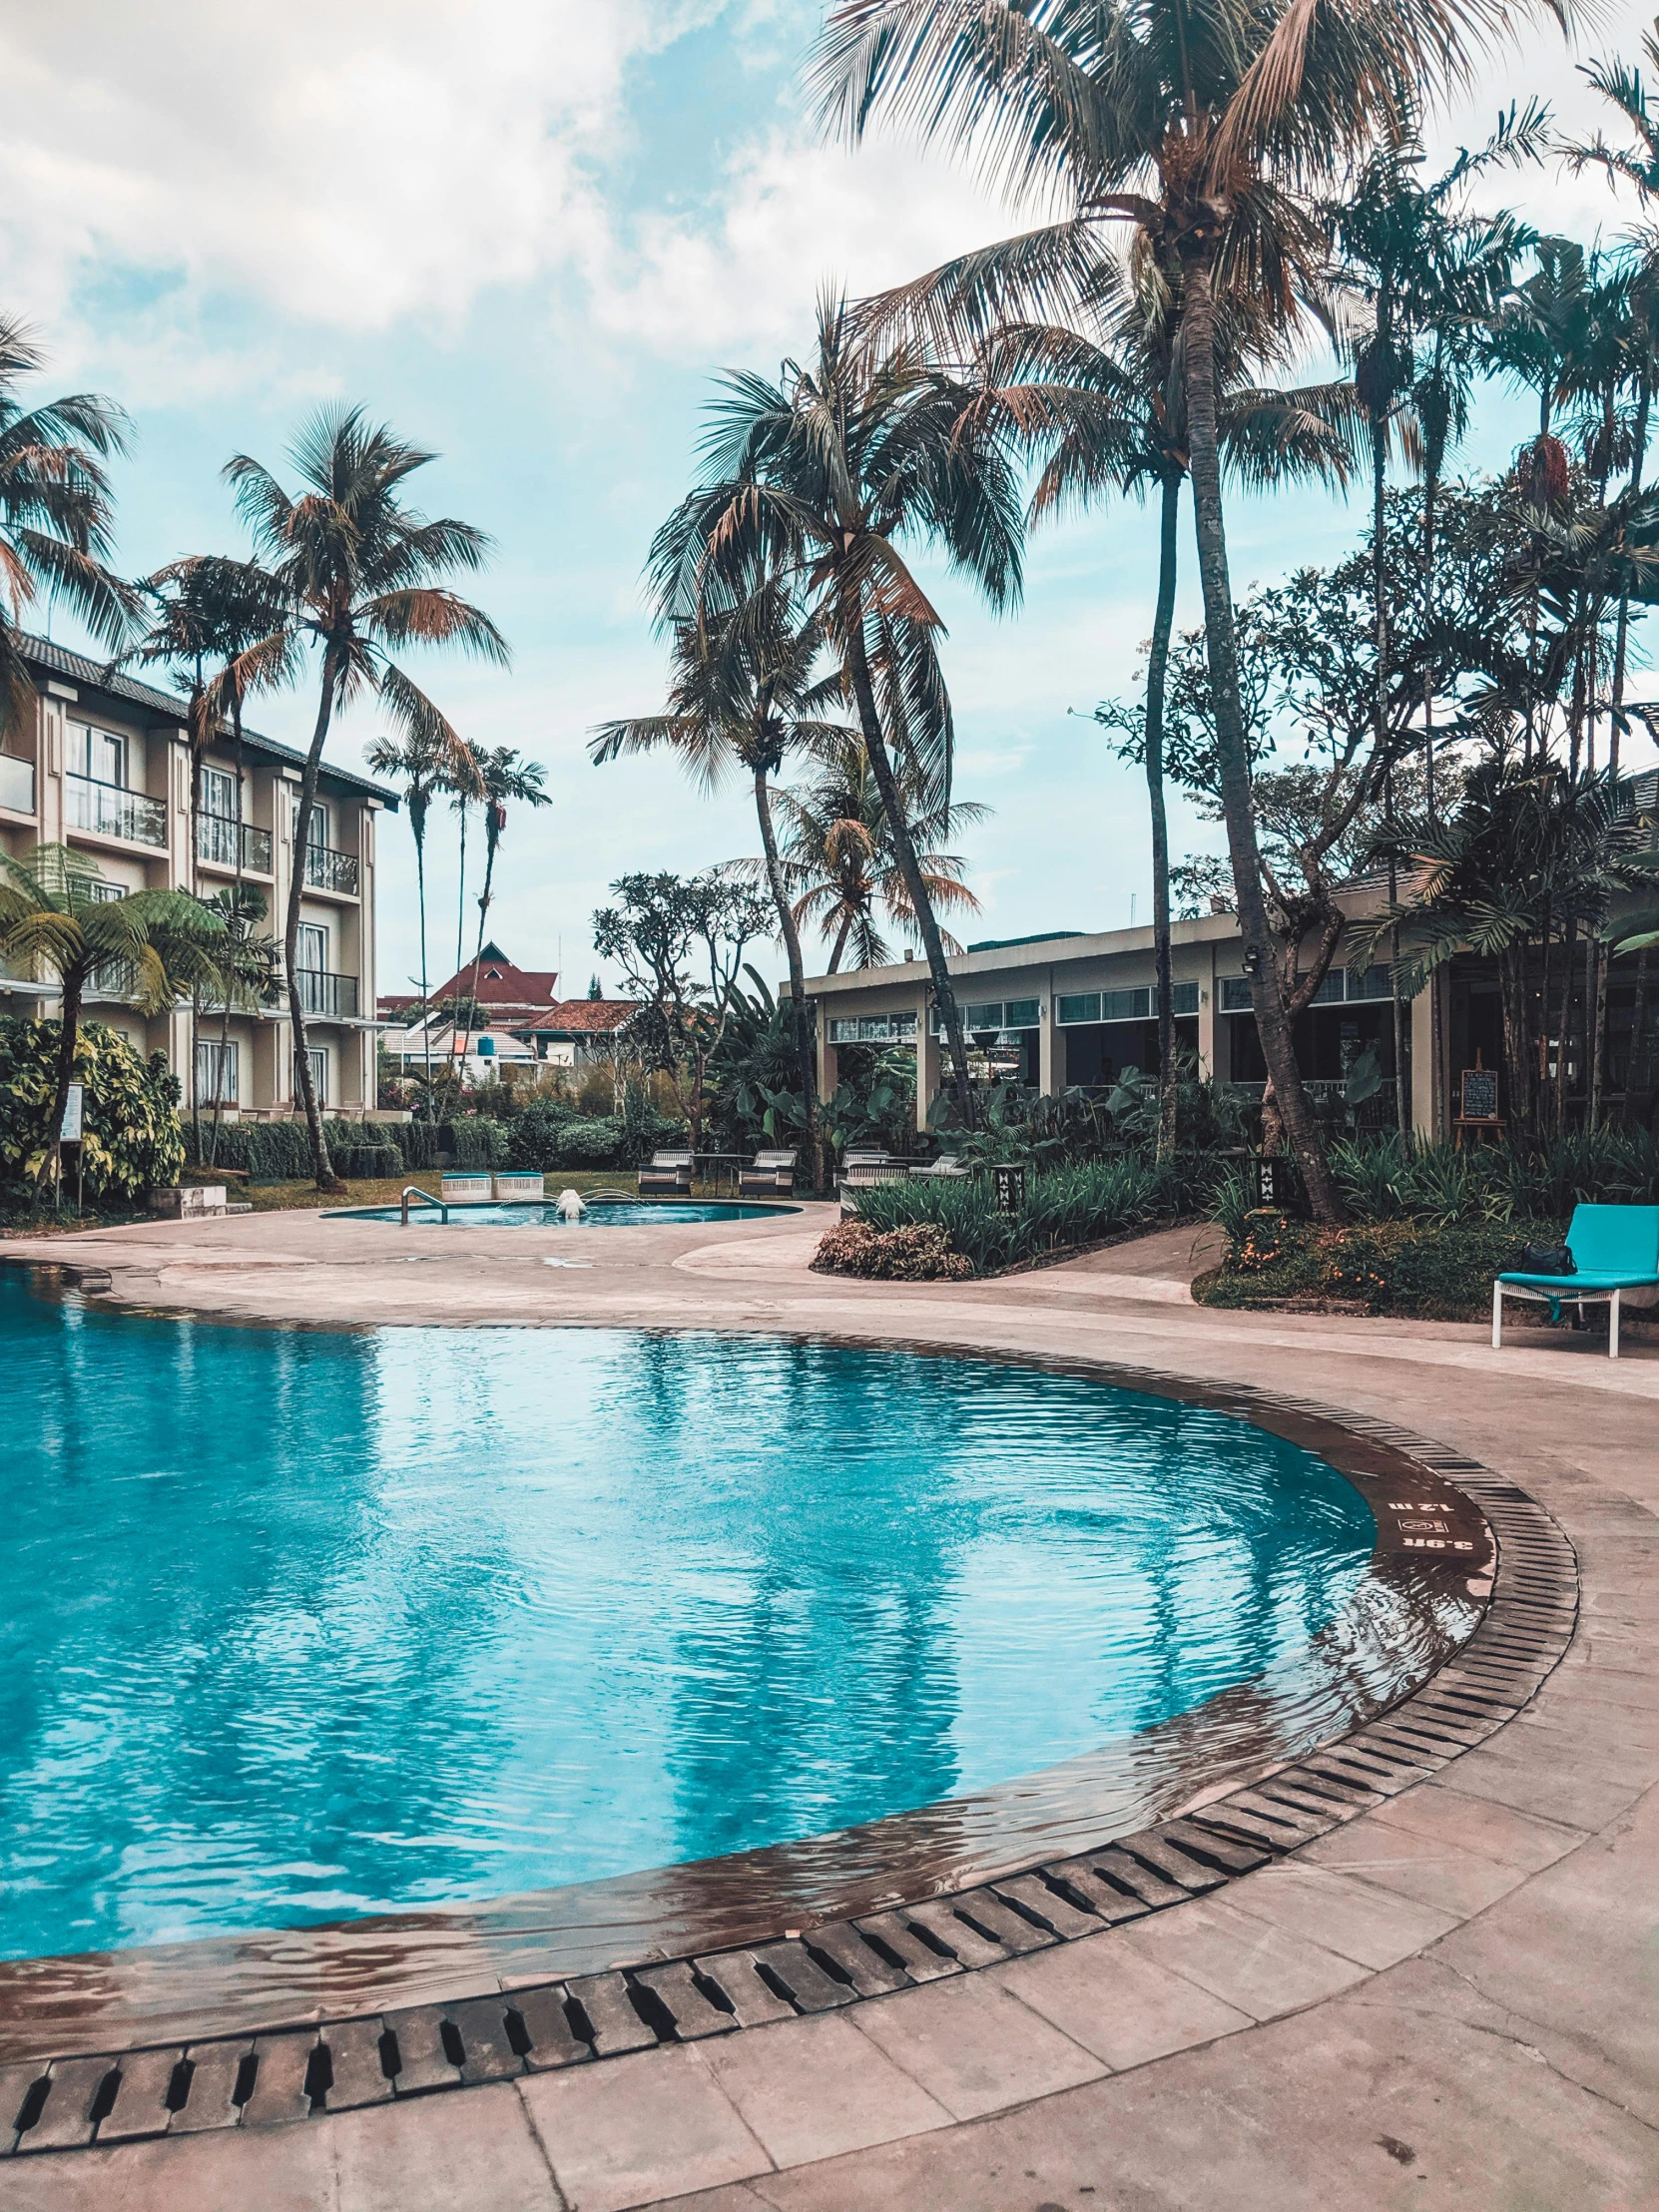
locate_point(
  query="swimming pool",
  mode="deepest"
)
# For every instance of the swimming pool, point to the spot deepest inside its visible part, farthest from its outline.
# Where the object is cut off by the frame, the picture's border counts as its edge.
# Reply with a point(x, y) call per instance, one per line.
point(305, 1626)
point(614, 1213)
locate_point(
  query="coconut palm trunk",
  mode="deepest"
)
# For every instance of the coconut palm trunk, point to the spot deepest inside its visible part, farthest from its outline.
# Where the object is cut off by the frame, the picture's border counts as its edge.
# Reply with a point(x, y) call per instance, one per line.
point(798, 971)
point(325, 1177)
point(1157, 666)
point(417, 824)
point(904, 851)
point(1273, 1027)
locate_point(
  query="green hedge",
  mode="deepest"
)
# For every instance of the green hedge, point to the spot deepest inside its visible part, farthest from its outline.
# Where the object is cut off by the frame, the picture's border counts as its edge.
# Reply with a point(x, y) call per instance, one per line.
point(476, 1141)
point(281, 1151)
point(131, 1141)
point(1067, 1207)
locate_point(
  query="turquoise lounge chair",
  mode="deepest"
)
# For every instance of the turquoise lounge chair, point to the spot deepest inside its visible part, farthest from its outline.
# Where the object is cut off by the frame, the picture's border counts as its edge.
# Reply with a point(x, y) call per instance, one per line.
point(1615, 1249)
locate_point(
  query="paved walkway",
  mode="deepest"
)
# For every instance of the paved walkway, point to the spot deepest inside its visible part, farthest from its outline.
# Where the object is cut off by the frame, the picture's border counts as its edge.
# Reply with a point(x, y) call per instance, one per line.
point(1451, 1997)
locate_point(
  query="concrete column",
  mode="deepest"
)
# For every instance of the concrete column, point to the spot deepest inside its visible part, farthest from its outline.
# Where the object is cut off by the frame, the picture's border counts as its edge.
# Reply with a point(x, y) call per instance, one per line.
point(1207, 1014)
point(928, 1061)
point(829, 1069)
point(1051, 1052)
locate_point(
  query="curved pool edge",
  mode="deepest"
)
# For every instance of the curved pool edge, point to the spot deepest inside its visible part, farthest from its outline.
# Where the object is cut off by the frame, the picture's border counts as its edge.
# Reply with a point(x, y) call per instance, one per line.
point(454, 1976)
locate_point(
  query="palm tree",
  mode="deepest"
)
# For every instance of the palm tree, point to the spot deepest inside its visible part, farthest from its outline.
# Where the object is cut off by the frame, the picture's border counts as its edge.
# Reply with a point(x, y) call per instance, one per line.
point(54, 511)
point(1402, 243)
point(839, 859)
point(1111, 410)
point(51, 915)
point(1206, 128)
point(359, 571)
point(422, 766)
point(1637, 165)
point(217, 624)
point(503, 777)
point(745, 694)
point(814, 479)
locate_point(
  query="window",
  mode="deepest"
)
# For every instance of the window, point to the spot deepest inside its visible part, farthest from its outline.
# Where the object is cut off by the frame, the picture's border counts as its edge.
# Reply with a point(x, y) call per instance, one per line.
point(98, 755)
point(1021, 1013)
point(1371, 982)
point(873, 1029)
point(1078, 1006)
point(215, 1074)
point(319, 824)
point(100, 893)
point(219, 794)
point(984, 1016)
point(1235, 994)
point(318, 1059)
point(311, 951)
point(1125, 1005)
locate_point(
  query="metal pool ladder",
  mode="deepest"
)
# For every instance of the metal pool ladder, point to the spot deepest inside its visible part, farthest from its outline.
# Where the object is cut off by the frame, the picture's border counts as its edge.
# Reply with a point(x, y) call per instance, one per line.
point(414, 1190)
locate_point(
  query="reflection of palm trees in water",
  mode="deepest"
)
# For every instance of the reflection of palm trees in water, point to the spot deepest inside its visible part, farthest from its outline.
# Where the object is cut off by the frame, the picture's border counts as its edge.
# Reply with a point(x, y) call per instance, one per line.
point(829, 1642)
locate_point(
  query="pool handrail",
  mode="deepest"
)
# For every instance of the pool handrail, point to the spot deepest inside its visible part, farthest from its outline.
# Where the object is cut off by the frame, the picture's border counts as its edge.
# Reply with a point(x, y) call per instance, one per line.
point(414, 1190)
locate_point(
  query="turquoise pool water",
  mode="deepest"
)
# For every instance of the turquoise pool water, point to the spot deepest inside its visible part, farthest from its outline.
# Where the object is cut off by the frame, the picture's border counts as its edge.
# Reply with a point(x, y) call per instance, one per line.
point(299, 1626)
point(538, 1214)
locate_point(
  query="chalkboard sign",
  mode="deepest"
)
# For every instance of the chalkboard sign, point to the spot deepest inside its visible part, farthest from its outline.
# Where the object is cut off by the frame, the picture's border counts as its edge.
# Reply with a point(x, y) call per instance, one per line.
point(1478, 1090)
point(1010, 1189)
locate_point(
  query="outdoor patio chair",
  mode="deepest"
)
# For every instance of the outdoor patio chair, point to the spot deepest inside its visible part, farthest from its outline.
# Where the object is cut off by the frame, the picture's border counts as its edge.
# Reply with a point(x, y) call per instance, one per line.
point(946, 1169)
point(861, 1171)
point(669, 1172)
point(1614, 1248)
point(772, 1175)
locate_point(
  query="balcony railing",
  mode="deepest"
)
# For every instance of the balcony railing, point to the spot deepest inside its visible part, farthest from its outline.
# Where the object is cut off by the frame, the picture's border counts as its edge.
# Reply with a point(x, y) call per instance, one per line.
point(328, 870)
point(215, 840)
point(112, 979)
point(333, 997)
point(110, 811)
point(17, 784)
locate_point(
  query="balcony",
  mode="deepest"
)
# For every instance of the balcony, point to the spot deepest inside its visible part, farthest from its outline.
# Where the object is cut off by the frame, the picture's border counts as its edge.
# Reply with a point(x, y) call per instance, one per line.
point(332, 997)
point(328, 870)
point(217, 838)
point(17, 784)
point(109, 812)
point(117, 980)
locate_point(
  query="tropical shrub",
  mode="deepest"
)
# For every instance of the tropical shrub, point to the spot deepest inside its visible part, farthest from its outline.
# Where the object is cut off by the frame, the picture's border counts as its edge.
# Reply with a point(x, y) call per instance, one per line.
point(131, 1139)
point(281, 1151)
point(1421, 1269)
point(1064, 1208)
point(919, 1251)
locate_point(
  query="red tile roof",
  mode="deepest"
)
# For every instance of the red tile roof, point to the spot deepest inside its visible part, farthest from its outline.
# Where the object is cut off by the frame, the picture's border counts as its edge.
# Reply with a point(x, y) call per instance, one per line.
point(502, 988)
point(584, 1016)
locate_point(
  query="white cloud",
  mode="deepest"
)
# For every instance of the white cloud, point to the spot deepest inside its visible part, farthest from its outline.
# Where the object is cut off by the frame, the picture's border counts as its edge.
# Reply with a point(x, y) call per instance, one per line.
point(791, 216)
point(346, 163)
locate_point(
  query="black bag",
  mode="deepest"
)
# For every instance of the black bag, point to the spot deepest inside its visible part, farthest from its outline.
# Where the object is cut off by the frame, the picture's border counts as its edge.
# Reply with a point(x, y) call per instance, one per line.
point(1542, 1259)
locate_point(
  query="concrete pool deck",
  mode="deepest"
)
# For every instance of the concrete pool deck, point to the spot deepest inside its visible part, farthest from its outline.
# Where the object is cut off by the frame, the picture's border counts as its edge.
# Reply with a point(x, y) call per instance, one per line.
point(1452, 1995)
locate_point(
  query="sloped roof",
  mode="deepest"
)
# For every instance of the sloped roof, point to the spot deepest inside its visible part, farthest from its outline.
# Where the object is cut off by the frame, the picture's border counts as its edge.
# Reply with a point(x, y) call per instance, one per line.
point(117, 683)
point(585, 1017)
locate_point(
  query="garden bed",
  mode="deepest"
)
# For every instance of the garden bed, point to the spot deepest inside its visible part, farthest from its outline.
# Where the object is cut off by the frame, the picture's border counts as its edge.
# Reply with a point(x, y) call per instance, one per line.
point(1415, 1270)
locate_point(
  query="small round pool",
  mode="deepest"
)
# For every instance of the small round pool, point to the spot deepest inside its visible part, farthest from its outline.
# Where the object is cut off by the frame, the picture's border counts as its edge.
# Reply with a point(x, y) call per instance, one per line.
point(610, 1213)
point(304, 1626)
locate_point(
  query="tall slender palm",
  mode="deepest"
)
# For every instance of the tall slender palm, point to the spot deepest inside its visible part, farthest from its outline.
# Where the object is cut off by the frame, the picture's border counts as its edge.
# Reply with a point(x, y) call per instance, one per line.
point(1635, 164)
point(1401, 241)
point(1207, 128)
point(814, 477)
point(464, 781)
point(421, 765)
point(360, 572)
point(52, 916)
point(1109, 408)
point(840, 862)
point(745, 694)
point(503, 777)
point(54, 511)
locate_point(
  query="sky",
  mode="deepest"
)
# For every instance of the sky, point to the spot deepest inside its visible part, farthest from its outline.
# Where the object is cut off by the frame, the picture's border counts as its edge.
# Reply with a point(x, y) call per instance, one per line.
point(528, 236)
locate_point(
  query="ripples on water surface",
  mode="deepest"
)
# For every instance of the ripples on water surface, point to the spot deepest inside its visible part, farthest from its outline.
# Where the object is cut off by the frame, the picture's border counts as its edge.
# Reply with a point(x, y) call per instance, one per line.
point(299, 1626)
